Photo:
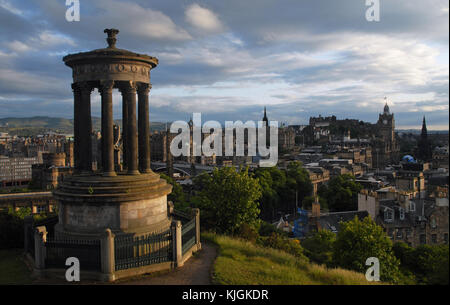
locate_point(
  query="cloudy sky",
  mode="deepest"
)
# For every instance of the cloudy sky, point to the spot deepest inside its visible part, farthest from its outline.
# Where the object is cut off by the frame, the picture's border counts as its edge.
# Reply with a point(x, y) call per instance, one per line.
point(229, 59)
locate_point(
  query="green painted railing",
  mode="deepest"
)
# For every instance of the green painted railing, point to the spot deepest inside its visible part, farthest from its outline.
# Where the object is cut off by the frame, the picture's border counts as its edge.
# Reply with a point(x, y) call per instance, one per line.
point(137, 251)
point(188, 235)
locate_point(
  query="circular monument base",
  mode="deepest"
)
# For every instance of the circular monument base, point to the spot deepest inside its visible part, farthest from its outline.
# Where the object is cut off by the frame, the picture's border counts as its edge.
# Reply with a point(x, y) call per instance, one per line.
point(89, 204)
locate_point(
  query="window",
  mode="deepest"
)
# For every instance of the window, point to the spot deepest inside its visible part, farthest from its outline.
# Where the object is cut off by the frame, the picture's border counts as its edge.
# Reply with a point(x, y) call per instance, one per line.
point(399, 233)
point(412, 206)
point(434, 238)
point(41, 208)
point(423, 239)
point(388, 215)
point(402, 213)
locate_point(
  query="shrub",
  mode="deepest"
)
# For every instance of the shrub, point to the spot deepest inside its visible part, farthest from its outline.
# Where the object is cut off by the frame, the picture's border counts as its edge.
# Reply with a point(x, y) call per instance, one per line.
point(248, 233)
point(358, 240)
point(277, 241)
point(11, 230)
point(319, 247)
point(429, 264)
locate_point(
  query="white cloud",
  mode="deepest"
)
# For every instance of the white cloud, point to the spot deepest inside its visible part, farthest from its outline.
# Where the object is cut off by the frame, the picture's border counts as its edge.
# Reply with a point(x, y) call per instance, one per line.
point(9, 7)
point(203, 19)
point(17, 46)
point(140, 21)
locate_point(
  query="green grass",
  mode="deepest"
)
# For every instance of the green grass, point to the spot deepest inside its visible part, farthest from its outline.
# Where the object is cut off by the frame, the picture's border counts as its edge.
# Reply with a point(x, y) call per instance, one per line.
point(12, 268)
point(243, 263)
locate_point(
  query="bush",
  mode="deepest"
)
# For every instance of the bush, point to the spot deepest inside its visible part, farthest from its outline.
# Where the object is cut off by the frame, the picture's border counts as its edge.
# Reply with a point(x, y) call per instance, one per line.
point(319, 247)
point(11, 230)
point(248, 233)
point(358, 240)
point(428, 264)
point(277, 241)
point(266, 229)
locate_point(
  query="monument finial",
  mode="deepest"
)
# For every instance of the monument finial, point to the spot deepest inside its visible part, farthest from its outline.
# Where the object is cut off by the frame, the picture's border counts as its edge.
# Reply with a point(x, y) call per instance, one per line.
point(111, 37)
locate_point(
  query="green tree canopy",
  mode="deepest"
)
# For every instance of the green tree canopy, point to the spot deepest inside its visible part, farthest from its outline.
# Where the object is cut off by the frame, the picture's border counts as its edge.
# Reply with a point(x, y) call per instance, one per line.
point(358, 240)
point(319, 247)
point(228, 199)
point(428, 263)
point(341, 193)
point(177, 195)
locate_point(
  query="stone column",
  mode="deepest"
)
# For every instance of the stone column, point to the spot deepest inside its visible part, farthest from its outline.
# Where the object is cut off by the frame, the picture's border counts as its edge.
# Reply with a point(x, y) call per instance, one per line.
point(76, 125)
point(85, 128)
point(106, 88)
point(124, 127)
point(144, 128)
point(196, 214)
point(40, 237)
point(107, 256)
point(132, 141)
point(177, 243)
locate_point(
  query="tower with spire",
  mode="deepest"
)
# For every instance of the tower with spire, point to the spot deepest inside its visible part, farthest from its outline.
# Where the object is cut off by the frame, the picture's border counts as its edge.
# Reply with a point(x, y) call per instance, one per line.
point(424, 151)
point(386, 147)
point(265, 119)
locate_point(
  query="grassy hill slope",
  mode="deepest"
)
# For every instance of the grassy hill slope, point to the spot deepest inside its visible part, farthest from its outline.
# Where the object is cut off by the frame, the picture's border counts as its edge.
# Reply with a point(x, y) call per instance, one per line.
point(243, 263)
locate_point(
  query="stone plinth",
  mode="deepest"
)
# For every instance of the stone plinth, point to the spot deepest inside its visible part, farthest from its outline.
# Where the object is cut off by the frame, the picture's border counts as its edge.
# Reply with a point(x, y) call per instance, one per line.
point(124, 203)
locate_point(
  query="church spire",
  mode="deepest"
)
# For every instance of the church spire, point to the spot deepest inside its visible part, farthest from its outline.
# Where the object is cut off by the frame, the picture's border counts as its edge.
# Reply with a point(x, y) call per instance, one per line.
point(265, 117)
point(424, 128)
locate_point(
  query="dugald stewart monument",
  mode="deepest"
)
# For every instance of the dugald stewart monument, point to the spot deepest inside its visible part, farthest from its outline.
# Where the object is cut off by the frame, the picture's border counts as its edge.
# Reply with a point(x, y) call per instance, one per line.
point(117, 213)
point(131, 200)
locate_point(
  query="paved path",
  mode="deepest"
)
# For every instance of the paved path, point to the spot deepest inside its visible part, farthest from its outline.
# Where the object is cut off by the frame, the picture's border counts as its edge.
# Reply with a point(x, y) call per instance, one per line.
point(196, 271)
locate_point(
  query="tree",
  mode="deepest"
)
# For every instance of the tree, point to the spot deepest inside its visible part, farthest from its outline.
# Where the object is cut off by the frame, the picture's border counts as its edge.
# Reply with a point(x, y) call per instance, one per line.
point(358, 240)
point(297, 181)
point(270, 199)
point(308, 201)
point(429, 264)
point(319, 247)
point(228, 199)
point(177, 195)
point(342, 193)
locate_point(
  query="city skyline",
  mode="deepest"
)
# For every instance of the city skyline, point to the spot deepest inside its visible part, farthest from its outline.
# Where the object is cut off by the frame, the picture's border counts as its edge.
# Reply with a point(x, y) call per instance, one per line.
point(298, 59)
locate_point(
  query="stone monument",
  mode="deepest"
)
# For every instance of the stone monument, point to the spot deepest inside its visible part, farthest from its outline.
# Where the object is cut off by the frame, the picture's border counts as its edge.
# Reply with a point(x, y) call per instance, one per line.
point(133, 199)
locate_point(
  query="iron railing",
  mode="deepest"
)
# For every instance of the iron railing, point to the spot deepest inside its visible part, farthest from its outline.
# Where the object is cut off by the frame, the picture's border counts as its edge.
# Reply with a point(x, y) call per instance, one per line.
point(136, 251)
point(88, 253)
point(188, 235)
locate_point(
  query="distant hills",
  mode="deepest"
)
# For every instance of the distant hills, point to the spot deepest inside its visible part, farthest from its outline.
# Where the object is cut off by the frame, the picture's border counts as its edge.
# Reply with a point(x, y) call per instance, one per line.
point(40, 124)
point(418, 131)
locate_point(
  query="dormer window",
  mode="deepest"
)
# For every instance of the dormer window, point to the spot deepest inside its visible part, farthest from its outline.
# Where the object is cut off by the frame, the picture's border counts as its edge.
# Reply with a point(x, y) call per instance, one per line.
point(388, 215)
point(402, 213)
point(412, 206)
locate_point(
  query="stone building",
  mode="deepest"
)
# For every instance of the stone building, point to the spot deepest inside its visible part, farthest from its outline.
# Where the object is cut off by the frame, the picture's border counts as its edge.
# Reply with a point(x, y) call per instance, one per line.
point(286, 138)
point(405, 218)
point(16, 171)
point(318, 176)
point(38, 202)
point(440, 158)
point(385, 147)
point(48, 175)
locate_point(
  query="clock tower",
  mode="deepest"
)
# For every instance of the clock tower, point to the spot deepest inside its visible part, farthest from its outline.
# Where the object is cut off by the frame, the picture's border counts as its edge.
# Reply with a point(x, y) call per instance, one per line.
point(386, 124)
point(386, 148)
